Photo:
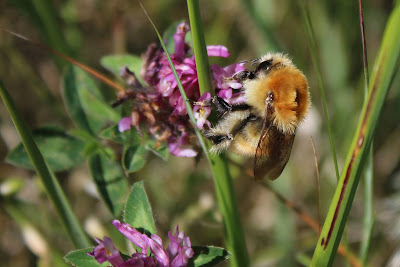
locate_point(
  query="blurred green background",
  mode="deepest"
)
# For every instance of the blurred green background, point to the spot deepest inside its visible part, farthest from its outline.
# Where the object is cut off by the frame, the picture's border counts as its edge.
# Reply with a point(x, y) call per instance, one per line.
point(181, 190)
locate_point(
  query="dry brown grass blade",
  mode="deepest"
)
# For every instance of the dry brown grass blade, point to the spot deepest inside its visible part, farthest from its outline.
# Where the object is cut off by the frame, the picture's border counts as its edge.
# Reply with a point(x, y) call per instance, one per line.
point(311, 222)
point(86, 68)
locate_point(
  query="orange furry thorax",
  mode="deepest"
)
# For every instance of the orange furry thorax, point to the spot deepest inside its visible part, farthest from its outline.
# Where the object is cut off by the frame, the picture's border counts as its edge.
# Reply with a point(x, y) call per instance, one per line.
point(290, 96)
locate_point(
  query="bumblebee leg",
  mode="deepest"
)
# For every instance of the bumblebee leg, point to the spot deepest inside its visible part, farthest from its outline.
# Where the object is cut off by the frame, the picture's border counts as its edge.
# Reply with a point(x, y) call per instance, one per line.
point(223, 107)
point(217, 139)
point(222, 137)
point(220, 140)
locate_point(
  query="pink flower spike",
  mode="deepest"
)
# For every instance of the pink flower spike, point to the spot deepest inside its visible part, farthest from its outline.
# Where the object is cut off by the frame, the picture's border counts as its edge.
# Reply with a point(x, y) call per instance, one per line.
point(217, 51)
point(125, 124)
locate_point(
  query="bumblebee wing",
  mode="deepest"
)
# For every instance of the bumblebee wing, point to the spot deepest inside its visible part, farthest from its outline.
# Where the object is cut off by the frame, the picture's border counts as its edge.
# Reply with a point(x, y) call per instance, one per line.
point(272, 152)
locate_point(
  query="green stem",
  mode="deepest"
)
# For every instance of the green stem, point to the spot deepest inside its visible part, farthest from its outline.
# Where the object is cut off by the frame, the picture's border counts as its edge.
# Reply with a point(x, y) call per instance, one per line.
point(235, 242)
point(227, 203)
point(49, 181)
point(199, 46)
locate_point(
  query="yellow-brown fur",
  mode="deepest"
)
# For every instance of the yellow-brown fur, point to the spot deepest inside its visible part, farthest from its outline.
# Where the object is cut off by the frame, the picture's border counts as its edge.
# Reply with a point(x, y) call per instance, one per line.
point(290, 89)
point(277, 101)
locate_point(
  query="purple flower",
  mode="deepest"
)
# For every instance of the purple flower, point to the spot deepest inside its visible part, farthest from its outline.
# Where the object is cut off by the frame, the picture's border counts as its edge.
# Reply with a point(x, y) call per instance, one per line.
point(178, 147)
point(159, 106)
point(177, 254)
point(201, 113)
point(179, 248)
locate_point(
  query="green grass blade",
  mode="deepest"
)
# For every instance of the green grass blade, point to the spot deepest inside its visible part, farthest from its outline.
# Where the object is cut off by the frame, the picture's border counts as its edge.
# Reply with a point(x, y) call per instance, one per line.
point(49, 181)
point(234, 237)
point(199, 45)
point(368, 219)
point(381, 78)
point(314, 55)
point(227, 203)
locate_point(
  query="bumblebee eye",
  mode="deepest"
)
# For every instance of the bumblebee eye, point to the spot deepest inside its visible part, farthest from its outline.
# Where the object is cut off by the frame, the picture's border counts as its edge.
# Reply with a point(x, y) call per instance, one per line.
point(270, 98)
point(264, 65)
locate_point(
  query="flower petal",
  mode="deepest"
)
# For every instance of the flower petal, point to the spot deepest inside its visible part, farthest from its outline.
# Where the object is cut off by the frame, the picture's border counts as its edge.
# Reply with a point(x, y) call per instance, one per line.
point(179, 40)
point(106, 251)
point(158, 252)
point(132, 234)
point(217, 51)
point(176, 148)
point(125, 124)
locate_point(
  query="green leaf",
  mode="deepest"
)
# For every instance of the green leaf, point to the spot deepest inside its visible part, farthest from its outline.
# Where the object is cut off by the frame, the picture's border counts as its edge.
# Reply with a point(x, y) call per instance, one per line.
point(138, 210)
point(84, 102)
point(208, 256)
point(127, 137)
point(134, 158)
point(114, 63)
point(160, 150)
point(61, 151)
point(80, 258)
point(110, 181)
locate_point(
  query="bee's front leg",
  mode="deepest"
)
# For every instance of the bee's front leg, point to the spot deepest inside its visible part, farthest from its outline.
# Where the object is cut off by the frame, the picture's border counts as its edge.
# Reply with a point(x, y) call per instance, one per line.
point(222, 107)
point(220, 104)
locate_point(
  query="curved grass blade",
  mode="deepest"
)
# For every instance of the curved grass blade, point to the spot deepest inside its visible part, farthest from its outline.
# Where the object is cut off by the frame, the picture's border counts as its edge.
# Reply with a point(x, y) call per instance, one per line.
point(53, 188)
point(381, 78)
point(315, 59)
point(227, 202)
point(369, 218)
point(226, 198)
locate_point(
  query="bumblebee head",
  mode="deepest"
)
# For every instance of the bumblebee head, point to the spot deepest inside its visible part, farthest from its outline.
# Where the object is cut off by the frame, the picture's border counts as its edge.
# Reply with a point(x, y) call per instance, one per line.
point(278, 91)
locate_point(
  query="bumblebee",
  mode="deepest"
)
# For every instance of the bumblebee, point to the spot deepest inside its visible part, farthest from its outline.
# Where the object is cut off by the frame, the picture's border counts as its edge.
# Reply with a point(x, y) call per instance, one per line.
point(264, 126)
